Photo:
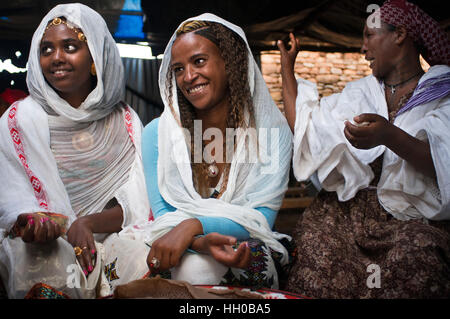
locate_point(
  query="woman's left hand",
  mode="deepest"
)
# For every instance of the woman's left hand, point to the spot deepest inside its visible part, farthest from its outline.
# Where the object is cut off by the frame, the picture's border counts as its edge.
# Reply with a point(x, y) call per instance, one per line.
point(370, 131)
point(222, 251)
point(221, 248)
point(80, 235)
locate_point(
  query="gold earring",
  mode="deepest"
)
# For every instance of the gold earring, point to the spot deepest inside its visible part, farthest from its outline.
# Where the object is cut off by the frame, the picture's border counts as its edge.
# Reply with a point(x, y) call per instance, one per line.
point(93, 70)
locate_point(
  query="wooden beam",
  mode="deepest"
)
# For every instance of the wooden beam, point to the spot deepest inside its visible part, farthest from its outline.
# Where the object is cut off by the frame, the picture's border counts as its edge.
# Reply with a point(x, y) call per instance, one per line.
point(320, 32)
point(313, 15)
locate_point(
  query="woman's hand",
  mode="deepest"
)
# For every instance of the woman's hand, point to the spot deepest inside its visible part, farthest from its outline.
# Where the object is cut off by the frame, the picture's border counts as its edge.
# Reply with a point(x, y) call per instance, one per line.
point(288, 56)
point(38, 228)
point(169, 248)
point(374, 130)
point(81, 232)
point(80, 235)
point(288, 78)
point(221, 248)
point(370, 131)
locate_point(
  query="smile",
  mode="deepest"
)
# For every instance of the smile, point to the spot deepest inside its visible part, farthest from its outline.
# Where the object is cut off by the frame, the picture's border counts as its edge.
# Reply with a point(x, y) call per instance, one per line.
point(196, 89)
point(60, 73)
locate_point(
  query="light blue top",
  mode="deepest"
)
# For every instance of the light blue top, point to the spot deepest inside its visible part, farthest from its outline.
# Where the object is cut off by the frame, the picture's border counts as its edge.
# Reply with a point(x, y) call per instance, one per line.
point(159, 206)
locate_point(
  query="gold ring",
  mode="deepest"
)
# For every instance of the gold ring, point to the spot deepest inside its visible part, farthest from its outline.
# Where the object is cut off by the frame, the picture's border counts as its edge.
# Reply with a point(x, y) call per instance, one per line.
point(78, 251)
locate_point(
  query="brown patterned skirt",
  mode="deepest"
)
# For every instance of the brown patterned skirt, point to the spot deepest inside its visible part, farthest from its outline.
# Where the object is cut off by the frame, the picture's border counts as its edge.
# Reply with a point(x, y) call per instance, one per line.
point(355, 249)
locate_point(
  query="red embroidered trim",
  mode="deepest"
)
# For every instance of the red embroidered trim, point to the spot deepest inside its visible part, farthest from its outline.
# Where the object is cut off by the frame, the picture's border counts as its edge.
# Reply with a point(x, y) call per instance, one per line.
point(129, 125)
point(129, 121)
point(38, 188)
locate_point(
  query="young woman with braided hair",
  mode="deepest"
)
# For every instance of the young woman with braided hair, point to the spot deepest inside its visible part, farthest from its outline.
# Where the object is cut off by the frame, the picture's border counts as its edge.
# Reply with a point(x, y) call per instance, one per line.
point(206, 200)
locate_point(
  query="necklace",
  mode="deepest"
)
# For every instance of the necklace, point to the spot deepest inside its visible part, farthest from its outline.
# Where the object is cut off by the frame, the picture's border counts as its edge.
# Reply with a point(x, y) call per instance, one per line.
point(213, 170)
point(394, 86)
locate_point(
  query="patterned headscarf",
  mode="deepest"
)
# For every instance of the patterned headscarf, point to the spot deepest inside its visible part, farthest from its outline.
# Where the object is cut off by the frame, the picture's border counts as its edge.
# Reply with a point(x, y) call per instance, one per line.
point(423, 29)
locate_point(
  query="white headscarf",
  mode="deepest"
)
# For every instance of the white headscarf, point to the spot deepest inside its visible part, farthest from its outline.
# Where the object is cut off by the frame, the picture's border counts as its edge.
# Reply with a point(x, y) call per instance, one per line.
point(73, 160)
point(110, 80)
point(250, 185)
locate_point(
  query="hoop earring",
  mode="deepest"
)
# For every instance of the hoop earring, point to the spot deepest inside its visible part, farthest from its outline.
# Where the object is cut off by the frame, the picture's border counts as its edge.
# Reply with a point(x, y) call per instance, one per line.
point(93, 70)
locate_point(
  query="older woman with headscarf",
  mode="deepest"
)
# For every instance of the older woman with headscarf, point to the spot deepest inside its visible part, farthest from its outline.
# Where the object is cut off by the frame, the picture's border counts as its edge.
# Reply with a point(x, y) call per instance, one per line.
point(71, 168)
point(380, 151)
point(216, 162)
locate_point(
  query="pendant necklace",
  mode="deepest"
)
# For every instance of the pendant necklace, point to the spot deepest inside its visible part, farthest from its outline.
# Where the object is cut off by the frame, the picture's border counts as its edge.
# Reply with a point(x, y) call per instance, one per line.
point(213, 170)
point(393, 87)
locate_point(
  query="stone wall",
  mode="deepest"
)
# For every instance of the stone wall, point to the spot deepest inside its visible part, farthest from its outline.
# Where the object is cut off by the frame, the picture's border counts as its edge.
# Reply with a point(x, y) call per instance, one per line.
point(331, 71)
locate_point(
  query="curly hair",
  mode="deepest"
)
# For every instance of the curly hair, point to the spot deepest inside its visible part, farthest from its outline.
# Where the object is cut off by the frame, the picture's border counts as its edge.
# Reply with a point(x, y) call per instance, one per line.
point(235, 55)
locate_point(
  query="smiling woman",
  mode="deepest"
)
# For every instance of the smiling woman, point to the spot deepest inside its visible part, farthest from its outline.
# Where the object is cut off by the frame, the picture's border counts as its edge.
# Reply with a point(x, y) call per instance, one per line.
point(200, 75)
point(66, 62)
point(380, 152)
point(72, 166)
point(214, 217)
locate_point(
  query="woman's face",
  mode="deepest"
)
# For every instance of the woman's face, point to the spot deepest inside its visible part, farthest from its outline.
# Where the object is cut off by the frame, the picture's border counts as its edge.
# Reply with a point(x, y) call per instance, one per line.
point(379, 49)
point(66, 62)
point(200, 71)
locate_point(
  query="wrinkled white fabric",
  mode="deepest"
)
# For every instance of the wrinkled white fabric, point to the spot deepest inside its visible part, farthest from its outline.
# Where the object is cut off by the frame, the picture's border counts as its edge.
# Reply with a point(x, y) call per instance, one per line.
point(93, 158)
point(17, 195)
point(81, 157)
point(208, 271)
point(320, 146)
point(55, 264)
point(250, 185)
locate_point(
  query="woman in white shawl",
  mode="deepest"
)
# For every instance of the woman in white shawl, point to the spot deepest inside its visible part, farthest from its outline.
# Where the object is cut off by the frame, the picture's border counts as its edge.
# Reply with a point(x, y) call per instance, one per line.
point(71, 168)
point(206, 201)
point(380, 150)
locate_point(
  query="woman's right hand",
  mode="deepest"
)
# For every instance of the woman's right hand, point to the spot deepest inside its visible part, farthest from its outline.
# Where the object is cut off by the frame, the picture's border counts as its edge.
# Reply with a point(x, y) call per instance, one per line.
point(80, 235)
point(169, 248)
point(38, 228)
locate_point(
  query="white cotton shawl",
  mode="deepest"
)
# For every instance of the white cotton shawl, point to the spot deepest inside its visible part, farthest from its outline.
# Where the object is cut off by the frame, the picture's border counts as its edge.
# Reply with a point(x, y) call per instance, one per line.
point(82, 157)
point(320, 146)
point(249, 185)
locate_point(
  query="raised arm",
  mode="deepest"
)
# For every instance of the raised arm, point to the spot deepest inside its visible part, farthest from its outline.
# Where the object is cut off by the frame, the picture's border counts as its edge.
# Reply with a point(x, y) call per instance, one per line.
point(288, 78)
